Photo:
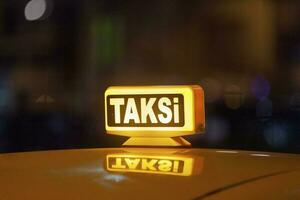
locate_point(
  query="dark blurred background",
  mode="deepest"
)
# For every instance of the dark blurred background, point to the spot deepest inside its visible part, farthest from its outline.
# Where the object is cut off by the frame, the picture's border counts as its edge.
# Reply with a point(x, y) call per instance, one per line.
point(58, 56)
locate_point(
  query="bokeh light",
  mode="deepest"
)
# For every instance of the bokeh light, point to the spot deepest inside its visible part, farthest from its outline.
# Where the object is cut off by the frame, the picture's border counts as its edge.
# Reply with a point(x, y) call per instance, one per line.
point(276, 135)
point(260, 87)
point(35, 9)
point(233, 97)
point(217, 129)
point(5, 99)
point(295, 76)
point(294, 103)
point(213, 89)
point(264, 108)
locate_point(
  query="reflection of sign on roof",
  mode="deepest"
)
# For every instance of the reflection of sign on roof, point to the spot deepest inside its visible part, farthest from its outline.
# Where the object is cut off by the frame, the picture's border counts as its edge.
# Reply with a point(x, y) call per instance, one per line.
point(157, 164)
point(153, 114)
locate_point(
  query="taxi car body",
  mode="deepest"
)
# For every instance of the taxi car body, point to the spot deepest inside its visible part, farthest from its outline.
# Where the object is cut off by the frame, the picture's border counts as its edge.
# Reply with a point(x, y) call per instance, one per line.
point(149, 173)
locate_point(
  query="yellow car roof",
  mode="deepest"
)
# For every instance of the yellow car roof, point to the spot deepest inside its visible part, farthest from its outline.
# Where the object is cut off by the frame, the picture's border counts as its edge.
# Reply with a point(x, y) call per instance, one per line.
point(149, 173)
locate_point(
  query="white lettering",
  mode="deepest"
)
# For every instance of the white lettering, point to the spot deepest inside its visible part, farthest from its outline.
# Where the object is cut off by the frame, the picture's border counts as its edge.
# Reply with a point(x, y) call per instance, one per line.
point(117, 102)
point(131, 112)
point(146, 110)
point(163, 104)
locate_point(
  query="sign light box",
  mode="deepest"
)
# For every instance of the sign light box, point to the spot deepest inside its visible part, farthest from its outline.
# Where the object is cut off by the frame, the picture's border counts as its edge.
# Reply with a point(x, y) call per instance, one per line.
point(154, 115)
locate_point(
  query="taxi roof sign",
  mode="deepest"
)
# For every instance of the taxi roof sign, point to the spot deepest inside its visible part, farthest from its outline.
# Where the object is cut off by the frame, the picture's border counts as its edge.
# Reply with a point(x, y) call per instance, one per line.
point(154, 115)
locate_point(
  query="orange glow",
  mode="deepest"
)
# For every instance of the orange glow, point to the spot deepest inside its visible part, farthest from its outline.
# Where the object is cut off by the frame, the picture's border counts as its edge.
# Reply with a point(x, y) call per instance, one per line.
point(147, 113)
point(155, 164)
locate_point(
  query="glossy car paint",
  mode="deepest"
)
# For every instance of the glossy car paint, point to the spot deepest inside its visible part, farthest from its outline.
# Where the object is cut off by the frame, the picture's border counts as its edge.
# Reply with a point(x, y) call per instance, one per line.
point(83, 174)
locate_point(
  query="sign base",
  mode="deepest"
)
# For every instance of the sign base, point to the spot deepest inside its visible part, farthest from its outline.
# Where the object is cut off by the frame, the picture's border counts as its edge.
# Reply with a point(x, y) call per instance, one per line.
point(141, 141)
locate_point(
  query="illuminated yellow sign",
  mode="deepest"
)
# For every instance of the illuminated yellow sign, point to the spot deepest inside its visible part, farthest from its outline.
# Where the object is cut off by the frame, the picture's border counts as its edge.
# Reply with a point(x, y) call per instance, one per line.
point(168, 165)
point(154, 115)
